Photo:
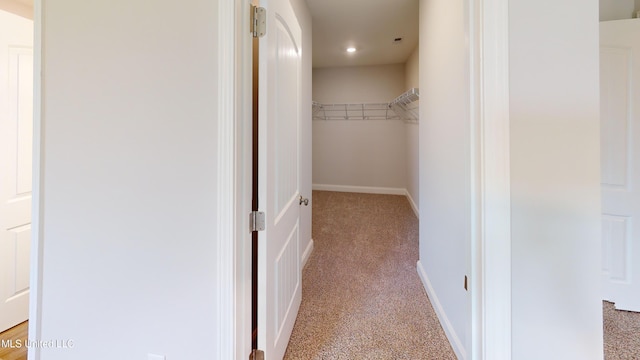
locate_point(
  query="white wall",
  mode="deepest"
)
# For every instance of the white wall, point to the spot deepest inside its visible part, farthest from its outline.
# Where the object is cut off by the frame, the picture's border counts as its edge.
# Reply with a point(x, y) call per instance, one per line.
point(304, 19)
point(412, 80)
point(445, 170)
point(128, 206)
point(360, 153)
point(412, 70)
point(555, 191)
point(617, 9)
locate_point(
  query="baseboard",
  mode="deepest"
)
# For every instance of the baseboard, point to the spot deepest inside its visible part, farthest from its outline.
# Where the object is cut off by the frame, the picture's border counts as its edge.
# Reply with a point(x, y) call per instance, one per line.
point(306, 254)
point(360, 189)
point(413, 204)
point(454, 340)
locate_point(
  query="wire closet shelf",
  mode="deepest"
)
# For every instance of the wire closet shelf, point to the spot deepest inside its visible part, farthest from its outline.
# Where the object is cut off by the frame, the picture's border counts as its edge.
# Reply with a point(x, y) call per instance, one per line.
point(404, 107)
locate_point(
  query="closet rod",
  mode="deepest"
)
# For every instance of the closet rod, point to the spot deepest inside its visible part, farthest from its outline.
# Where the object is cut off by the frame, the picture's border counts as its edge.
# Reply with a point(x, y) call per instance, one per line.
point(404, 107)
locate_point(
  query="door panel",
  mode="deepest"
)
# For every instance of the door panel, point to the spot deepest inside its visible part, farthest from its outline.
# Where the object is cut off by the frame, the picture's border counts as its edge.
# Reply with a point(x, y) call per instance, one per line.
point(287, 116)
point(620, 161)
point(287, 280)
point(616, 247)
point(279, 279)
point(21, 98)
point(16, 134)
point(615, 92)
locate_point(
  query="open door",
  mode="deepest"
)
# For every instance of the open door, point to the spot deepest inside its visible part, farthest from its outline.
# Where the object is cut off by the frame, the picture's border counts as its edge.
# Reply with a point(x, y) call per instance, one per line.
point(620, 148)
point(16, 139)
point(279, 272)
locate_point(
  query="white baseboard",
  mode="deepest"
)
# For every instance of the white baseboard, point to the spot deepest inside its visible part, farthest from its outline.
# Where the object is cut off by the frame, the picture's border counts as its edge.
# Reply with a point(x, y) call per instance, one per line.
point(454, 340)
point(413, 204)
point(360, 189)
point(305, 255)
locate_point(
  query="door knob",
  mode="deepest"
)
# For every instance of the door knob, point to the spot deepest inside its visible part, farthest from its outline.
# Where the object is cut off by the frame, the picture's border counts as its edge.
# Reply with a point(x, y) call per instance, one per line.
point(304, 201)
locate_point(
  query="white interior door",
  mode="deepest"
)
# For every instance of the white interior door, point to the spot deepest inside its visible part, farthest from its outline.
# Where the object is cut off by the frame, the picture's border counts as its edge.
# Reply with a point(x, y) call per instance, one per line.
point(620, 157)
point(279, 279)
point(16, 128)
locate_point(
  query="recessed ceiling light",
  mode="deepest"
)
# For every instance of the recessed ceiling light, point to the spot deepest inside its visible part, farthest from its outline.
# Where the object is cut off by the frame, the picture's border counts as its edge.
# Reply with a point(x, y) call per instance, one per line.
point(351, 50)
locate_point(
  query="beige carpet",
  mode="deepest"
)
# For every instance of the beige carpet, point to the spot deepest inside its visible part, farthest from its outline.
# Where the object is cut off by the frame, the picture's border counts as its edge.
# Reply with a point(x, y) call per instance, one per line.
point(621, 333)
point(361, 295)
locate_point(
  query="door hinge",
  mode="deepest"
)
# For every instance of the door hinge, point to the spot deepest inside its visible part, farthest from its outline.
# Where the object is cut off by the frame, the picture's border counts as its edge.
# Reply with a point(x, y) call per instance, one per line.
point(256, 355)
point(256, 221)
point(258, 21)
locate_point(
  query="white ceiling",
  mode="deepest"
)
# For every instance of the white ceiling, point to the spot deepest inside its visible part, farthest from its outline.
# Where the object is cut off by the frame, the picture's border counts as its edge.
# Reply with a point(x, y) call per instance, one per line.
point(369, 25)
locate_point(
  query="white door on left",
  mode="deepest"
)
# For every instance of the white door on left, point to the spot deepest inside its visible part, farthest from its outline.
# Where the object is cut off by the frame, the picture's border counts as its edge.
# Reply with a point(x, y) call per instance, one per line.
point(279, 271)
point(16, 141)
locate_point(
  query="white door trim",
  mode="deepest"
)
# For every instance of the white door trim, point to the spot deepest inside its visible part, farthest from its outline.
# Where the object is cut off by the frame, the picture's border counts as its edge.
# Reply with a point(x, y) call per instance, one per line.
point(243, 158)
point(35, 286)
point(491, 238)
point(224, 339)
point(234, 181)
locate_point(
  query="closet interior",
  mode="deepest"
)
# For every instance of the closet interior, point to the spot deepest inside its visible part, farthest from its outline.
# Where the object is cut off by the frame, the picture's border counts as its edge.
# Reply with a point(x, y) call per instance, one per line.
point(365, 128)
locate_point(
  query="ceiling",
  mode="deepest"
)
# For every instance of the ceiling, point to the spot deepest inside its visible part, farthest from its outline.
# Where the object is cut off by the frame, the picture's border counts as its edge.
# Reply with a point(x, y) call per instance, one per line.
point(368, 25)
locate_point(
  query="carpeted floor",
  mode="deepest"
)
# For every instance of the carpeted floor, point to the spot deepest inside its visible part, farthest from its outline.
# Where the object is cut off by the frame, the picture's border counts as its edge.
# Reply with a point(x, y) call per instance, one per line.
point(361, 295)
point(621, 333)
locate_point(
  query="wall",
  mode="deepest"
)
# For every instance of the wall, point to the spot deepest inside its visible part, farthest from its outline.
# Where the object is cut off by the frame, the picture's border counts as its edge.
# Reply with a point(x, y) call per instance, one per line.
point(617, 9)
point(412, 80)
point(361, 154)
point(412, 70)
point(445, 166)
point(128, 203)
point(555, 176)
point(304, 19)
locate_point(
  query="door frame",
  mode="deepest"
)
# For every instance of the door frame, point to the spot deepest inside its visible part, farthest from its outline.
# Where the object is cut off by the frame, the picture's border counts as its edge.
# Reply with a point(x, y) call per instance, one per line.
point(36, 257)
point(234, 179)
point(491, 180)
point(491, 239)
